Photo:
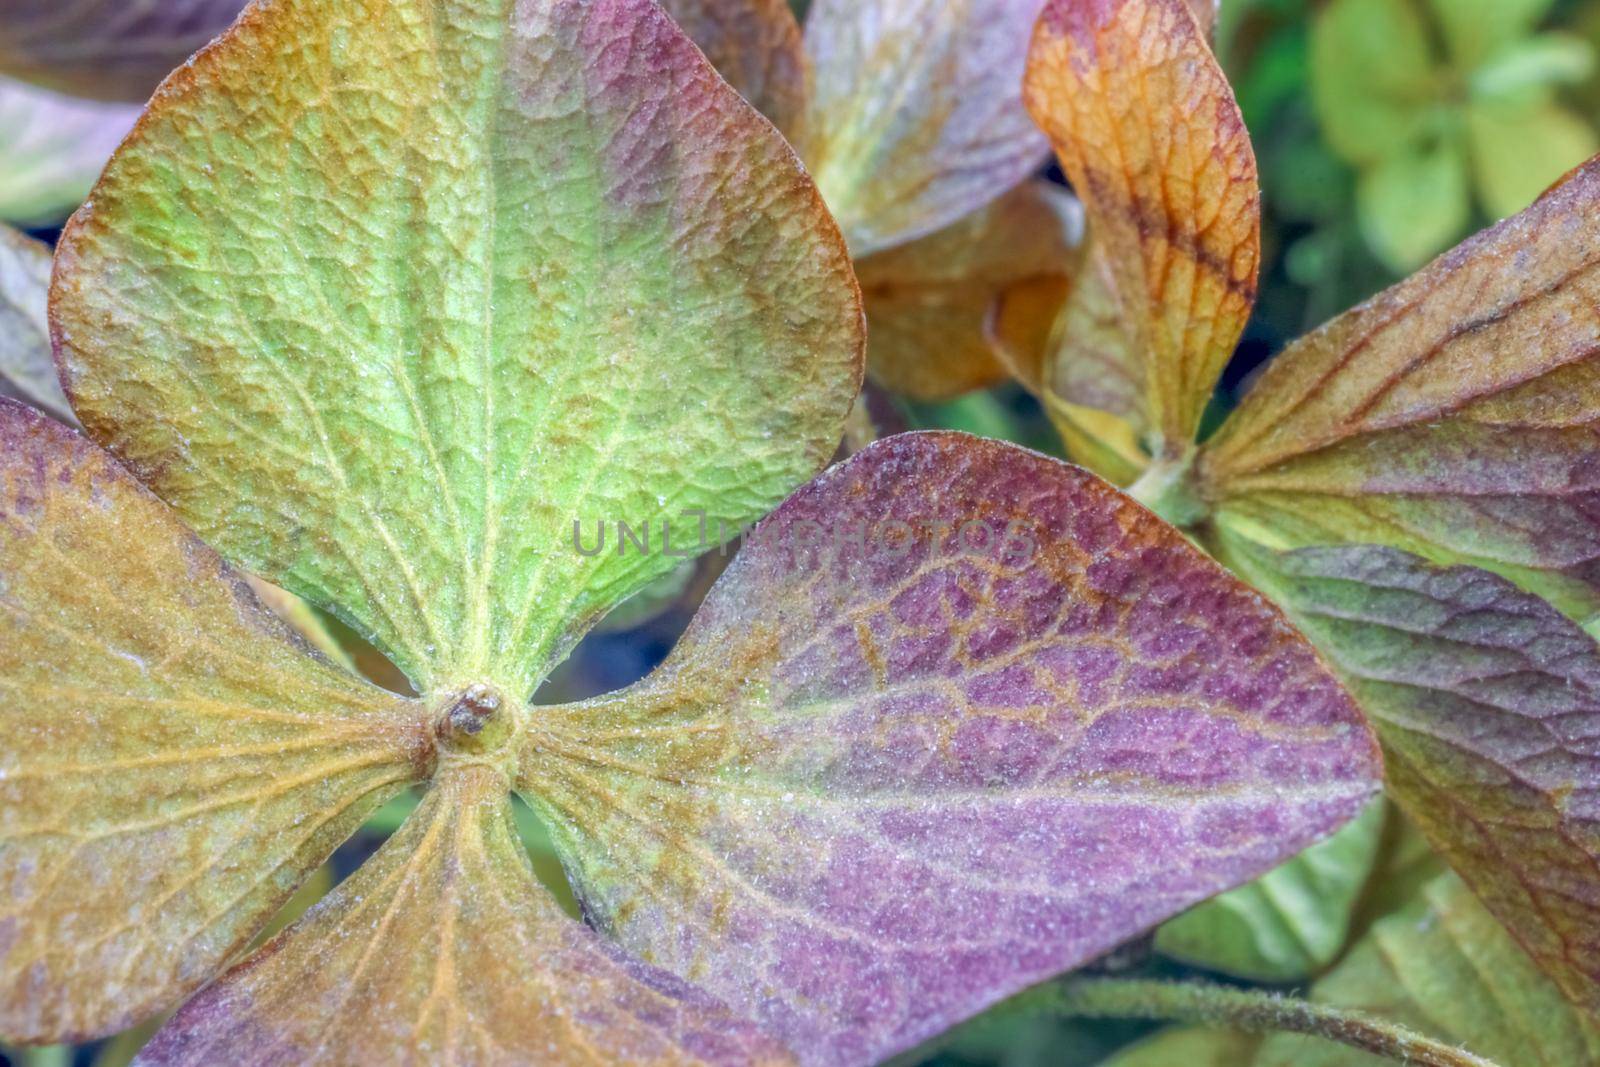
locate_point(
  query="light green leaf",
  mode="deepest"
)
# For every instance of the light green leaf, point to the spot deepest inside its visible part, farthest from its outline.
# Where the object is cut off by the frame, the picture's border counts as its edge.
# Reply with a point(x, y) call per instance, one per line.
point(440, 284)
point(1440, 966)
point(1445, 968)
point(1518, 152)
point(1524, 71)
point(1190, 1047)
point(27, 370)
point(1406, 863)
point(1372, 76)
point(1414, 205)
point(1475, 30)
point(1290, 923)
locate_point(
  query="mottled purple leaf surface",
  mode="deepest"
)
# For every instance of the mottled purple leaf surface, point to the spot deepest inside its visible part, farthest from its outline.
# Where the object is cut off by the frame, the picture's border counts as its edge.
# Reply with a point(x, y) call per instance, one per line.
point(887, 780)
point(959, 719)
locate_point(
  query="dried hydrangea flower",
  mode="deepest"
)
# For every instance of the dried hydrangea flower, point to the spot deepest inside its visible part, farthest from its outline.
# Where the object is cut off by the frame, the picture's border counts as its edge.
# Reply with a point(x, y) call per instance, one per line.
point(1414, 481)
point(380, 299)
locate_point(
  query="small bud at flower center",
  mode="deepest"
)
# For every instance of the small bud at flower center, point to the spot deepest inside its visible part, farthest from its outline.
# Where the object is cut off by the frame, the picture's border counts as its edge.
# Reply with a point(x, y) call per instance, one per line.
point(474, 722)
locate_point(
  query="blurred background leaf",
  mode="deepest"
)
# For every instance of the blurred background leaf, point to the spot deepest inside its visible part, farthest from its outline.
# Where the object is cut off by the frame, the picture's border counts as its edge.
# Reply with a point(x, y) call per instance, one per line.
point(1455, 113)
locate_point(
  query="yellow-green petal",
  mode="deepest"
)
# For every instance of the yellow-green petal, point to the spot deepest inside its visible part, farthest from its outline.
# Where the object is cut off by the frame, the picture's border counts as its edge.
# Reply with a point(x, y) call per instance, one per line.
point(387, 298)
point(443, 948)
point(175, 762)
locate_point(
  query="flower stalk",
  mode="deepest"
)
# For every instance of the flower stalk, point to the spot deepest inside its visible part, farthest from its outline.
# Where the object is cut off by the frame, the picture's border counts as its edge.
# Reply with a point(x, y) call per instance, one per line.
point(1251, 1011)
point(1167, 488)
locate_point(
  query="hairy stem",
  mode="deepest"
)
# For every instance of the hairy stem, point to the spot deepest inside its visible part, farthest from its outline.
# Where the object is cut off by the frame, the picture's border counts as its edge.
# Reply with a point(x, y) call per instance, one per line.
point(1167, 489)
point(1247, 1010)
